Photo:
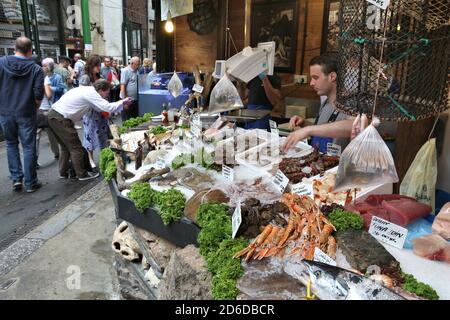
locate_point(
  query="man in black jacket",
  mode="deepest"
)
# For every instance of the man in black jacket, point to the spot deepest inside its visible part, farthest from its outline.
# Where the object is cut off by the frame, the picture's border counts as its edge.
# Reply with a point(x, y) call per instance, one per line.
point(21, 91)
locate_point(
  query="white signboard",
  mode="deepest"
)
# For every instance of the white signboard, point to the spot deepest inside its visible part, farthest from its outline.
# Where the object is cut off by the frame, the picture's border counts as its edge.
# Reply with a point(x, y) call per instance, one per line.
point(236, 220)
point(321, 256)
point(280, 181)
point(380, 3)
point(388, 232)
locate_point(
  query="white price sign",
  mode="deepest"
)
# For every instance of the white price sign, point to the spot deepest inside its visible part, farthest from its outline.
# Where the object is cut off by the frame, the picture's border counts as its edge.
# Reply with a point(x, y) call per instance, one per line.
point(280, 181)
point(196, 120)
point(383, 4)
point(197, 88)
point(237, 219)
point(196, 130)
point(333, 150)
point(303, 189)
point(228, 173)
point(273, 127)
point(321, 256)
point(388, 232)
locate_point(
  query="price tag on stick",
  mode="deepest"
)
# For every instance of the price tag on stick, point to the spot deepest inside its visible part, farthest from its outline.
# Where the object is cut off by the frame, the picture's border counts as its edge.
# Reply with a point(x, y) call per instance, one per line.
point(236, 220)
point(273, 127)
point(228, 173)
point(197, 88)
point(280, 181)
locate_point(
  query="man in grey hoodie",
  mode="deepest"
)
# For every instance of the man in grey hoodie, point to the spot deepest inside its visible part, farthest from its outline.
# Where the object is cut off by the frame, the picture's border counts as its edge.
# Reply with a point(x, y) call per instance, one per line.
point(21, 91)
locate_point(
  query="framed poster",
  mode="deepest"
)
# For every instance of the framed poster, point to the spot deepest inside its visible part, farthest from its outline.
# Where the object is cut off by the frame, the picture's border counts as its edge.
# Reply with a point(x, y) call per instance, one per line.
point(277, 21)
point(330, 29)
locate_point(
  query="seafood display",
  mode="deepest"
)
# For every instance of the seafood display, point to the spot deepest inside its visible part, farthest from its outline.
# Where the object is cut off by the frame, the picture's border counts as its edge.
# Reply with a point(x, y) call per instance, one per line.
point(307, 228)
point(280, 233)
point(401, 210)
point(261, 189)
point(256, 216)
point(307, 166)
point(323, 191)
point(194, 179)
point(334, 283)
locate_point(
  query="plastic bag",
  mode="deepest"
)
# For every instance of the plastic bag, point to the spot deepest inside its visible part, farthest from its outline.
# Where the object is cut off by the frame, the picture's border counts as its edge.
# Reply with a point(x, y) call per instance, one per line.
point(224, 97)
point(175, 85)
point(365, 162)
point(420, 180)
point(418, 229)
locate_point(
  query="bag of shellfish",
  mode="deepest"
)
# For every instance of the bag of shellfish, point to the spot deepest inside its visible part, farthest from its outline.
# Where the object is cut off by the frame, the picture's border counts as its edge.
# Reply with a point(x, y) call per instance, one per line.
point(366, 162)
point(175, 85)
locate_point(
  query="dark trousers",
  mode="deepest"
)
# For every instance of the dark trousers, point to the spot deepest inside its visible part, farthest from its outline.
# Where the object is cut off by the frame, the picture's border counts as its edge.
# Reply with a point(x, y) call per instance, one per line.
point(131, 112)
point(71, 148)
point(21, 129)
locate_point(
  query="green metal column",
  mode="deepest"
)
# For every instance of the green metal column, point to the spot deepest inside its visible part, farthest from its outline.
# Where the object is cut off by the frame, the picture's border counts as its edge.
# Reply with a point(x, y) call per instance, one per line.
point(26, 18)
point(86, 22)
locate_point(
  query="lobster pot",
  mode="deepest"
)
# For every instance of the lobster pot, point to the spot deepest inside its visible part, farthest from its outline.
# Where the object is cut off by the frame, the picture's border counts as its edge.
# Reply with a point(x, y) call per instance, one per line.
point(413, 81)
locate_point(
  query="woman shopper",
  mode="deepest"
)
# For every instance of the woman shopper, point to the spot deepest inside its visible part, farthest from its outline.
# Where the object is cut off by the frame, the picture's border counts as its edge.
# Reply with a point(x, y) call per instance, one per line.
point(95, 122)
point(54, 88)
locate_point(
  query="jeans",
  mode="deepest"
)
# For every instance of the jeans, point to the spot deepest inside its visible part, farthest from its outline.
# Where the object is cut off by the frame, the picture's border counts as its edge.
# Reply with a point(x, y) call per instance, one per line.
point(23, 128)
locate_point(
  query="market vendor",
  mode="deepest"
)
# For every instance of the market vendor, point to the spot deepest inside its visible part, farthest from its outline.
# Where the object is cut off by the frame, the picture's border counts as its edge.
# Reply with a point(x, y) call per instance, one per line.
point(263, 93)
point(331, 125)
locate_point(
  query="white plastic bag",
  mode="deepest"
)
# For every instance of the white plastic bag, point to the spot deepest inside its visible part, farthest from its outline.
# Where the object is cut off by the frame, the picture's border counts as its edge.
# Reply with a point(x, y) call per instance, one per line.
point(175, 85)
point(224, 97)
point(420, 180)
point(365, 162)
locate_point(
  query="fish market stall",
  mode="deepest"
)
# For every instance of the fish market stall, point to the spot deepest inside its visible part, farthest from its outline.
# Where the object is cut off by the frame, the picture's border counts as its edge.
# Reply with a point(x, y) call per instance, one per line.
point(168, 179)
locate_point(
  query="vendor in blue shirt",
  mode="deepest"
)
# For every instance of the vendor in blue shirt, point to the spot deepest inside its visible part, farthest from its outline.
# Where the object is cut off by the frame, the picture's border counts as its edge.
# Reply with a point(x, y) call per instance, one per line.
point(331, 125)
point(263, 93)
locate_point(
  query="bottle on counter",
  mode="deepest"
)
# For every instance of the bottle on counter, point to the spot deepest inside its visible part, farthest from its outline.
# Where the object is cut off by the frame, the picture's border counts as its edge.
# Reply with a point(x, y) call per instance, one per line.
point(165, 114)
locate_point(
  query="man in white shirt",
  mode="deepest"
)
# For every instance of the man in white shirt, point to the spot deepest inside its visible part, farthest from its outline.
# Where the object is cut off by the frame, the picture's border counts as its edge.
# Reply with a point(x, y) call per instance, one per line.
point(68, 110)
point(78, 68)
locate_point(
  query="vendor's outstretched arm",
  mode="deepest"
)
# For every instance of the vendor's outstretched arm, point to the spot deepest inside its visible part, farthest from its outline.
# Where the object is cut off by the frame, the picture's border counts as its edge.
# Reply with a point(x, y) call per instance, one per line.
point(274, 95)
point(338, 129)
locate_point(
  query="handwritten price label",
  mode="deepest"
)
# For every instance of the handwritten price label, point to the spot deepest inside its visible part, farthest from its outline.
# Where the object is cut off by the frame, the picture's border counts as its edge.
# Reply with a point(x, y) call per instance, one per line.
point(303, 189)
point(321, 256)
point(333, 150)
point(388, 232)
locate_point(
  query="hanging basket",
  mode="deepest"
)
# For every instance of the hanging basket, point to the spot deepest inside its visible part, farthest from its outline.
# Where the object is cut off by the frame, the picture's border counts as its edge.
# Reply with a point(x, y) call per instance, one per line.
point(204, 18)
point(413, 76)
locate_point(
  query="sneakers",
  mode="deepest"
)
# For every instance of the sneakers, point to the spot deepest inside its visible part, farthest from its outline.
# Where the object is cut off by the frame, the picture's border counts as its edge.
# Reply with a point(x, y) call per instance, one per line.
point(66, 176)
point(89, 176)
point(34, 188)
point(17, 185)
point(78, 127)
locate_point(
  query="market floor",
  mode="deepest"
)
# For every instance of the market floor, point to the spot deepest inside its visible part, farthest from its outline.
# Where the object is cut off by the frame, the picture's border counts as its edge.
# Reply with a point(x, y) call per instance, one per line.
point(21, 212)
point(67, 257)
